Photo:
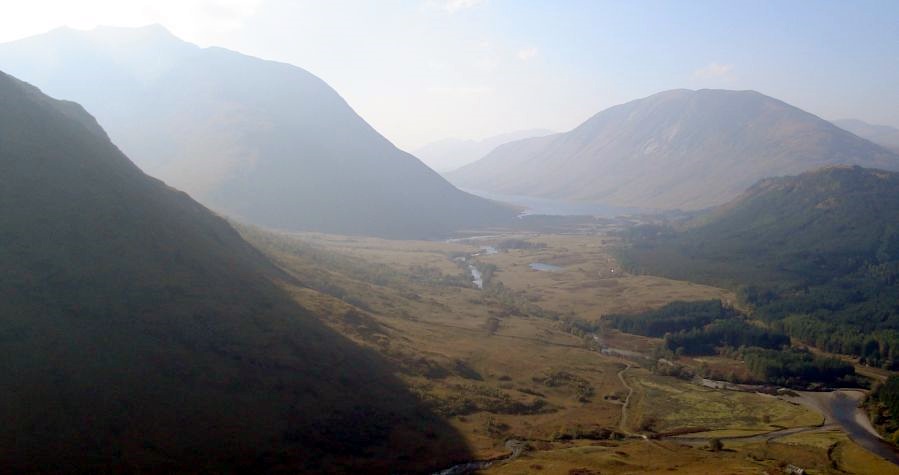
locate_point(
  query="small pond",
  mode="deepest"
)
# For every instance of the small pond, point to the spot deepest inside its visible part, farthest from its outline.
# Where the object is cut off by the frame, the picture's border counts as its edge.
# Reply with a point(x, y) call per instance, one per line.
point(544, 267)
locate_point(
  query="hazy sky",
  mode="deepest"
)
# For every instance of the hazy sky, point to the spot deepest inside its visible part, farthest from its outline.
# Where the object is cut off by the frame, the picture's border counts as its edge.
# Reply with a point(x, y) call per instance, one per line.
point(423, 70)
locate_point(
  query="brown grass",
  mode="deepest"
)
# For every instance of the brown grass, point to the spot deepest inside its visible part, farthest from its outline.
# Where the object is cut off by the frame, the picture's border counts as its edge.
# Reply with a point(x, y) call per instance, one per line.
point(490, 380)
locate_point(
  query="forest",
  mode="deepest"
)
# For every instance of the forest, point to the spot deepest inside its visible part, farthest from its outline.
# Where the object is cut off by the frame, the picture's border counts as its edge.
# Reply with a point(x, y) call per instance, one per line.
point(698, 328)
point(855, 314)
point(673, 317)
point(710, 327)
point(798, 368)
point(883, 408)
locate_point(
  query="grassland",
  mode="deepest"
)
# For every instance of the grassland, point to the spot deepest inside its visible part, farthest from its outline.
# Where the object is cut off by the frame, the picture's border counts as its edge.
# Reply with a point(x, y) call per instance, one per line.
point(498, 364)
point(826, 452)
point(590, 284)
point(667, 404)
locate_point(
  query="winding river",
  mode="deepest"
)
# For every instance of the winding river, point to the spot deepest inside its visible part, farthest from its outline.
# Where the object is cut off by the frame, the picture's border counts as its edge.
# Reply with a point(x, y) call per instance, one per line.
point(515, 446)
point(841, 407)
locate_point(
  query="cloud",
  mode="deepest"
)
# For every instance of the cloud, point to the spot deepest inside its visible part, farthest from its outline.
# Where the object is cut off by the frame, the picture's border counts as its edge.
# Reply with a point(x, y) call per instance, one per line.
point(527, 53)
point(713, 70)
point(453, 6)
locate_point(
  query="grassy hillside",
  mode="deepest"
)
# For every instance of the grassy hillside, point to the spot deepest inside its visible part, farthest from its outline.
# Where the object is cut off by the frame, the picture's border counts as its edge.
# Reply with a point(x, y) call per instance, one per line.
point(140, 332)
point(816, 254)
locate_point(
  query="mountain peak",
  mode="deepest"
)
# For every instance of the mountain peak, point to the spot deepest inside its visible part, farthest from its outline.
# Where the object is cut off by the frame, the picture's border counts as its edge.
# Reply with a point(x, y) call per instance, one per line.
point(678, 149)
point(152, 32)
point(265, 142)
point(684, 92)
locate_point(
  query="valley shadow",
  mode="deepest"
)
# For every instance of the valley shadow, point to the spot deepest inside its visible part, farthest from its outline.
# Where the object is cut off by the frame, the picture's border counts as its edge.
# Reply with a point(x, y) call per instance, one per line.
point(139, 333)
point(220, 387)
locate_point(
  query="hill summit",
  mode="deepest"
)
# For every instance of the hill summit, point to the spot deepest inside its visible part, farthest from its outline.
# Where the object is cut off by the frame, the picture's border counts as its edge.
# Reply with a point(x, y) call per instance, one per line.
point(678, 149)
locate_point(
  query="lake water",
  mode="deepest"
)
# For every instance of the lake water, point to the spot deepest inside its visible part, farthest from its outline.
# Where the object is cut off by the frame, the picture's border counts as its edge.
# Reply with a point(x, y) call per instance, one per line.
point(544, 267)
point(544, 206)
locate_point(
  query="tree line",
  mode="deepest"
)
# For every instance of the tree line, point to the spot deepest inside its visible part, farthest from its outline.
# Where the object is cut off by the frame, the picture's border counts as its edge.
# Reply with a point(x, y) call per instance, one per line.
point(798, 368)
point(698, 328)
point(883, 407)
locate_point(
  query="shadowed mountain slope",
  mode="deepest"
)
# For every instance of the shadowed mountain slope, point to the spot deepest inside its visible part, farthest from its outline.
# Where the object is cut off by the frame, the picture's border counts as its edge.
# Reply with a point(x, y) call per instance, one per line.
point(140, 333)
point(266, 142)
point(678, 149)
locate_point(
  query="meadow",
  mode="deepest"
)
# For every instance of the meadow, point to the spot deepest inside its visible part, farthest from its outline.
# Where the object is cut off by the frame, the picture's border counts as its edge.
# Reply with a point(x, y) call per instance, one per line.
point(506, 363)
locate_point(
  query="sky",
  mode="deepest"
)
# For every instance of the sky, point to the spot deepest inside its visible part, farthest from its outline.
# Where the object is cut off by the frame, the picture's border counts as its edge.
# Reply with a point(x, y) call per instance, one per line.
point(425, 70)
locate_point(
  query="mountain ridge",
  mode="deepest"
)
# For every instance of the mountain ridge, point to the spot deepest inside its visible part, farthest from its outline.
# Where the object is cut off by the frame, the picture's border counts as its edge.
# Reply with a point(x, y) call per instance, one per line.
point(262, 141)
point(678, 149)
point(817, 221)
point(449, 154)
point(883, 135)
point(141, 333)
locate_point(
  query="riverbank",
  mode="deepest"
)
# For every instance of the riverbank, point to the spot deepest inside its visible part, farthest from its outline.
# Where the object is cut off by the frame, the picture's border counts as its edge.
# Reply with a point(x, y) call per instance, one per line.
point(842, 408)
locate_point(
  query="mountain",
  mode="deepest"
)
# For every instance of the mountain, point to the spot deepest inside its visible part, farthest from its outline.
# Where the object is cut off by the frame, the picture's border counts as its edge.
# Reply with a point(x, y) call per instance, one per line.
point(883, 135)
point(818, 222)
point(816, 255)
point(449, 154)
point(265, 142)
point(678, 149)
point(140, 333)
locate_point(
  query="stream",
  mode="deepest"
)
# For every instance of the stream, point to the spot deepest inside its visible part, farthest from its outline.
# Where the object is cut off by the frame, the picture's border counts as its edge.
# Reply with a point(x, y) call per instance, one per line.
point(476, 278)
point(515, 446)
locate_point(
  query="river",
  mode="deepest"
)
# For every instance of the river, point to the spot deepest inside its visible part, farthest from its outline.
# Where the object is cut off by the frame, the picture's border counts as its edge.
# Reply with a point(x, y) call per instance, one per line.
point(841, 408)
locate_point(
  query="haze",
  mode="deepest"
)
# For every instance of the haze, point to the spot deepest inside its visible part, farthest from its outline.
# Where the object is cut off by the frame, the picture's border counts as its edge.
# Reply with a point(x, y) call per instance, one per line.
point(470, 69)
point(449, 237)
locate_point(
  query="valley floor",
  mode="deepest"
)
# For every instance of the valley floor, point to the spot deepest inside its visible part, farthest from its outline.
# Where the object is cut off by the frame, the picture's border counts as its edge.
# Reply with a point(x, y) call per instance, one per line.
point(506, 363)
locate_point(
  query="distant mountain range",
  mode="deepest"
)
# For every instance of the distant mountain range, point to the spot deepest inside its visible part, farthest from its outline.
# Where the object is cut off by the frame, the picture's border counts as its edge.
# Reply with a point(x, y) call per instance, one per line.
point(880, 134)
point(449, 154)
point(678, 149)
point(265, 142)
point(141, 334)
